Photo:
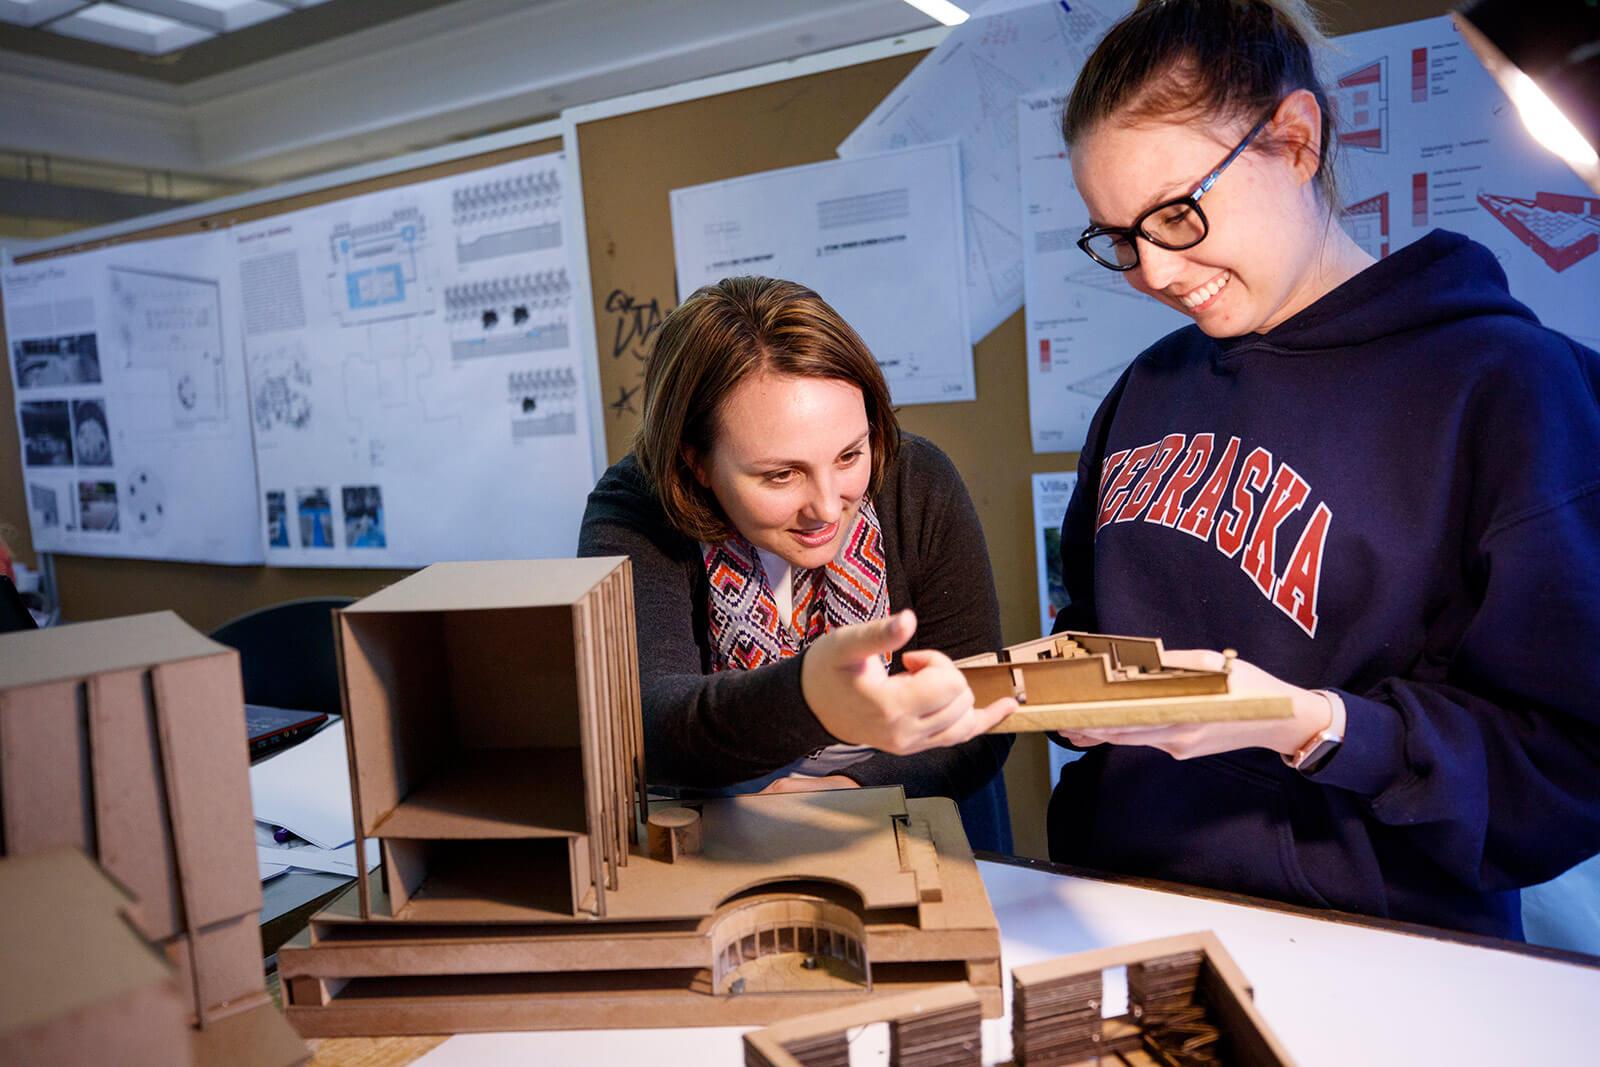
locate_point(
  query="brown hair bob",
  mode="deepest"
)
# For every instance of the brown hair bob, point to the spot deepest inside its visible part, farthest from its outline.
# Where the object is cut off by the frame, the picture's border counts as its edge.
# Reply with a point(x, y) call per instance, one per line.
point(713, 341)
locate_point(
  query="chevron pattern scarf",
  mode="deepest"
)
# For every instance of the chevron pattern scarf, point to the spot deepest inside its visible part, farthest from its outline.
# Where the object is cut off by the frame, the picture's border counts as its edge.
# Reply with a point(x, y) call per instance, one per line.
point(746, 632)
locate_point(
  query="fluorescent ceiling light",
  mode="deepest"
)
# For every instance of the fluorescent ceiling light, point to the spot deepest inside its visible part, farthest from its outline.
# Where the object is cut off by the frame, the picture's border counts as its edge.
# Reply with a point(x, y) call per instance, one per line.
point(219, 15)
point(33, 12)
point(942, 10)
point(124, 28)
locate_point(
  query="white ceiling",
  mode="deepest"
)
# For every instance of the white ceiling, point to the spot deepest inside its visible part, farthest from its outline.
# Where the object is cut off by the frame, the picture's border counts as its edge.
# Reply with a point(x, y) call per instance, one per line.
point(439, 75)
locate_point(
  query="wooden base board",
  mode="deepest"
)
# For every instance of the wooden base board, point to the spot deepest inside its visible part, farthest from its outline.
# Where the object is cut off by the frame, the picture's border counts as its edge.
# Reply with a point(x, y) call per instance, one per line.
point(1157, 711)
point(477, 1013)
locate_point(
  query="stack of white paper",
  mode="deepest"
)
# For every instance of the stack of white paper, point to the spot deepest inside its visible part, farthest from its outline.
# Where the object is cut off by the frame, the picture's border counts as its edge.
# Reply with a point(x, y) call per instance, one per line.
point(305, 790)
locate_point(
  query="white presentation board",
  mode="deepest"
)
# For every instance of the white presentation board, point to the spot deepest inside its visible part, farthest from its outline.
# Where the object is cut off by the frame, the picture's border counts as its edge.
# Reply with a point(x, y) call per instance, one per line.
point(967, 89)
point(1427, 141)
point(131, 402)
point(879, 238)
point(415, 386)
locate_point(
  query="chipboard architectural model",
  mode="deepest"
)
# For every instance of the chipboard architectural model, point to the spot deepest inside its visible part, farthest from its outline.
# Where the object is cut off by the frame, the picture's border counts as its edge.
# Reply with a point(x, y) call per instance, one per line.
point(1188, 1005)
point(496, 752)
point(1075, 680)
point(125, 739)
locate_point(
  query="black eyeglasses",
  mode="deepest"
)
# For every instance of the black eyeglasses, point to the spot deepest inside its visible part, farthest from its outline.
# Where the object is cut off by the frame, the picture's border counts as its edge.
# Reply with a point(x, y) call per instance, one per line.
point(1174, 225)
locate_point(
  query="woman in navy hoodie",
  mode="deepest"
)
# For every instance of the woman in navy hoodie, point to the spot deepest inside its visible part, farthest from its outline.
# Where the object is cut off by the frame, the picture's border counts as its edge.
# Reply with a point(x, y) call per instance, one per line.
point(1378, 481)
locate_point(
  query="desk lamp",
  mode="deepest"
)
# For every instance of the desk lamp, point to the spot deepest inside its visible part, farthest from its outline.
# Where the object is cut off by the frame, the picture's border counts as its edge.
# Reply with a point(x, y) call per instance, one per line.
point(1546, 56)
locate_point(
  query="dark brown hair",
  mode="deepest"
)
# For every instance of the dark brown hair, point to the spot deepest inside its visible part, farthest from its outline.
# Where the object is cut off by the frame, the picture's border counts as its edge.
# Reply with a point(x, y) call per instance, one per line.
point(1228, 61)
point(721, 335)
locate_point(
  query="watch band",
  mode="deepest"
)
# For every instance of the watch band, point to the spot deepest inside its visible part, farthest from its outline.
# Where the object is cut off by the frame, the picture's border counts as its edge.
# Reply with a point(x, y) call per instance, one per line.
point(1316, 752)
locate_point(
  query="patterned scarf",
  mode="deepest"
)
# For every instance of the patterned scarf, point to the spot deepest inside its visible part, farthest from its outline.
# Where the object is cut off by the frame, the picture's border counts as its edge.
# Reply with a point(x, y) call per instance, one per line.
point(745, 629)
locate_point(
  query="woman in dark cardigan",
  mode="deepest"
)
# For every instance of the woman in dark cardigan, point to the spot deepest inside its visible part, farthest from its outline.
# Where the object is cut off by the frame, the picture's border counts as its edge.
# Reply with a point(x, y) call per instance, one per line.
point(802, 570)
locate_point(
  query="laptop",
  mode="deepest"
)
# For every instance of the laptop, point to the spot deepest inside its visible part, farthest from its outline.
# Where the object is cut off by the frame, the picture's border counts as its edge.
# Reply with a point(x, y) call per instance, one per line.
point(273, 728)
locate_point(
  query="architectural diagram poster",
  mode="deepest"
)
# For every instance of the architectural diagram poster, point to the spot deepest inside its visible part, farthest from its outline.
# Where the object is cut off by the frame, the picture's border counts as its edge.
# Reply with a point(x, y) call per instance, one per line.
point(1051, 492)
point(131, 402)
point(967, 89)
point(1428, 141)
point(880, 238)
point(1431, 142)
point(1084, 323)
point(414, 385)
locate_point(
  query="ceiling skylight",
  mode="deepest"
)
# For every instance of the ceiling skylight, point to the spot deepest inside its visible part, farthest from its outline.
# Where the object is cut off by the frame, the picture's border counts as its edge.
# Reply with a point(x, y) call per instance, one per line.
point(151, 27)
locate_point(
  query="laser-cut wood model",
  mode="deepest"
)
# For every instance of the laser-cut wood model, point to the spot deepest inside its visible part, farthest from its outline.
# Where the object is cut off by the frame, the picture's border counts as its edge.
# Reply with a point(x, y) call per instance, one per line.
point(1188, 1003)
point(125, 739)
point(1073, 681)
point(939, 1027)
point(496, 751)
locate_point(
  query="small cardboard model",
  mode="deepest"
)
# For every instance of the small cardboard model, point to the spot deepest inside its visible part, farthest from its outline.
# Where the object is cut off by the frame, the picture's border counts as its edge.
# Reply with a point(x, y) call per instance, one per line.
point(496, 749)
point(1188, 1003)
point(1074, 680)
point(80, 985)
point(126, 739)
point(1186, 995)
point(937, 1026)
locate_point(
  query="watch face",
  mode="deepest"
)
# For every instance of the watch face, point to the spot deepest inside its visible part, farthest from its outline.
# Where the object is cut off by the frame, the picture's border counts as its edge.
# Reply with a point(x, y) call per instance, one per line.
point(1319, 756)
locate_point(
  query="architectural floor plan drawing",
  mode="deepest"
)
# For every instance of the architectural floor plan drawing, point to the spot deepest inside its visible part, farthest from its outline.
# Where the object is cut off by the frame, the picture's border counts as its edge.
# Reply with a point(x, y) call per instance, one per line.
point(1360, 99)
point(1367, 223)
point(169, 324)
point(378, 268)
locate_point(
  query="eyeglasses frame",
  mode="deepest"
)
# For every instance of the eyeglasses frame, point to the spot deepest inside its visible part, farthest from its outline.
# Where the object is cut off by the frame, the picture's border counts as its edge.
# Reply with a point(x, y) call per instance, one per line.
point(1192, 200)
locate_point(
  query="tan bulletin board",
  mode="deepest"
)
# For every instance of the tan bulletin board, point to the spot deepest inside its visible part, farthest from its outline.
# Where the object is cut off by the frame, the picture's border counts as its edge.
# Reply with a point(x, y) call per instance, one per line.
point(206, 595)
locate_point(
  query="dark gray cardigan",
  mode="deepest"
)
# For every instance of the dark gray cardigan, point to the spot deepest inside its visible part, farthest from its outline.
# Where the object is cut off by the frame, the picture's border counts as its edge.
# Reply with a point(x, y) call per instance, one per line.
point(708, 730)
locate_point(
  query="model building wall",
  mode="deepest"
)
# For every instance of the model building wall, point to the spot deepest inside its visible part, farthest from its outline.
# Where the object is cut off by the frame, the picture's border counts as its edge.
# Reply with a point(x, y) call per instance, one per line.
point(126, 739)
point(489, 711)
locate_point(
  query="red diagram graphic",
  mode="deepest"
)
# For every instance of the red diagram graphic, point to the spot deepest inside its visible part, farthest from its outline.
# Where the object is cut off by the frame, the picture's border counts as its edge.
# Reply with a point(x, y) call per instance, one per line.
point(1361, 103)
point(1561, 230)
point(1368, 224)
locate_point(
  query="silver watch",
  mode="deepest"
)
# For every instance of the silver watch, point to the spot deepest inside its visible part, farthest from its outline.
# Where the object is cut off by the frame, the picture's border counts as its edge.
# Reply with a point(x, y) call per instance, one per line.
point(1315, 753)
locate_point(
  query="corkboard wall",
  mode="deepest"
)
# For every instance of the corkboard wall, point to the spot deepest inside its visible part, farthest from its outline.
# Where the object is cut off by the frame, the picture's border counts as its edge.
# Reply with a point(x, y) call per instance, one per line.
point(205, 595)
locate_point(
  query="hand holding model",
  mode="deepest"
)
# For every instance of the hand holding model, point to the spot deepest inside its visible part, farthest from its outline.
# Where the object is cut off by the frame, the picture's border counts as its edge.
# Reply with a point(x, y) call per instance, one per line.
point(929, 705)
point(1311, 715)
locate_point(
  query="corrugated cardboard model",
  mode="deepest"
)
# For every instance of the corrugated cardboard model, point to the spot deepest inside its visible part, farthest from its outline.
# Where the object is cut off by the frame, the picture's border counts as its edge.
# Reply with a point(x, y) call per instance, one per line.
point(126, 739)
point(496, 748)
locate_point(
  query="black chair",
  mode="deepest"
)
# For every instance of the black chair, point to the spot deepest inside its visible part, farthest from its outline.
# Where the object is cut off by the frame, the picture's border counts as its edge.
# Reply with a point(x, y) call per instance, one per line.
point(286, 653)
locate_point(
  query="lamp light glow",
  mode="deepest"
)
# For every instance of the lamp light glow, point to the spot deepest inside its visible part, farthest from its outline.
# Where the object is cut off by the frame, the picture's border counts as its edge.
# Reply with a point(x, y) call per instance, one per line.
point(1546, 122)
point(1546, 58)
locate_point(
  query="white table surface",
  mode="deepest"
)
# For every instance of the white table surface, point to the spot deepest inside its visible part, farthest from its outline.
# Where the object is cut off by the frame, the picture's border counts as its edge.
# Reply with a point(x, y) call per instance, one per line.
point(1335, 993)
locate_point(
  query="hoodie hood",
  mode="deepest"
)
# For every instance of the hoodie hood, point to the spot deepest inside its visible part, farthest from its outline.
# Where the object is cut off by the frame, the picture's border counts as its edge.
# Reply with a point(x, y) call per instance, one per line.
point(1441, 278)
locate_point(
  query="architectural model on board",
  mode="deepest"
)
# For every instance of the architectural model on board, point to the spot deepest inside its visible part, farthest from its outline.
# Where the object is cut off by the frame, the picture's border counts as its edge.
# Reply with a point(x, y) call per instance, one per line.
point(496, 748)
point(1074, 680)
